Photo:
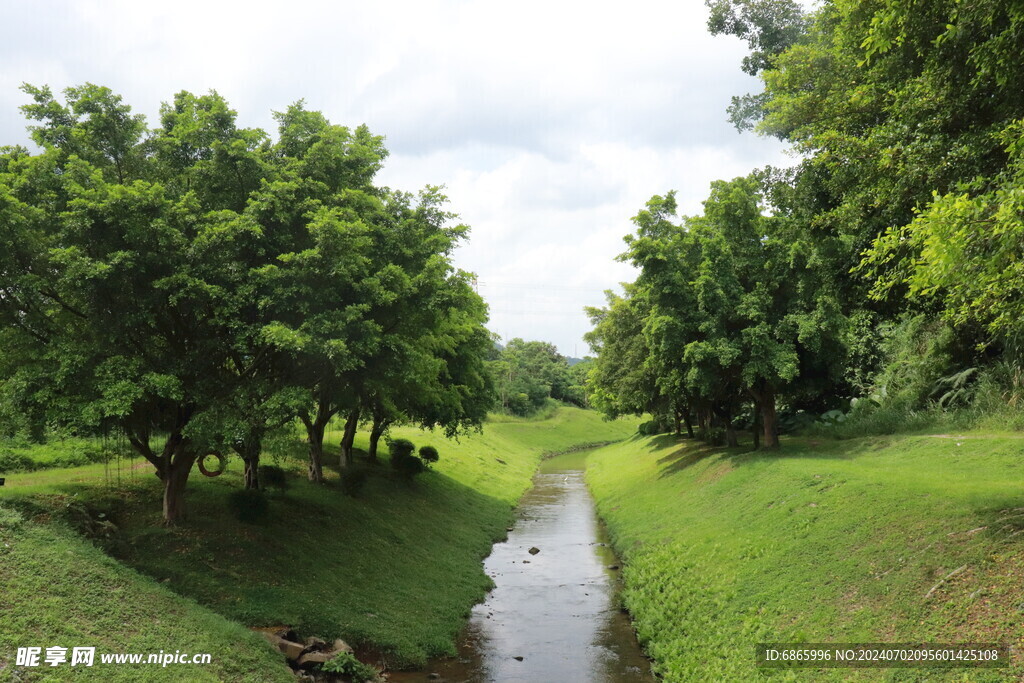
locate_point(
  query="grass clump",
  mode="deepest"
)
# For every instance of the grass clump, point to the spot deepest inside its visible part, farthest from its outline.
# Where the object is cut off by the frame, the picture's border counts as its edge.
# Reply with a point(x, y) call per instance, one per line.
point(346, 664)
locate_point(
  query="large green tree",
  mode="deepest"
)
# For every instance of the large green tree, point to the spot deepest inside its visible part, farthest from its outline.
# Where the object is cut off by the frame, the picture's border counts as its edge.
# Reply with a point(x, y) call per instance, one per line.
point(130, 284)
point(736, 312)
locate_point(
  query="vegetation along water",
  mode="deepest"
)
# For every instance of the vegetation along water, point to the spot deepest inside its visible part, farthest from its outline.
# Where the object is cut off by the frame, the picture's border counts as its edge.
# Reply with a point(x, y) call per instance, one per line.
point(250, 405)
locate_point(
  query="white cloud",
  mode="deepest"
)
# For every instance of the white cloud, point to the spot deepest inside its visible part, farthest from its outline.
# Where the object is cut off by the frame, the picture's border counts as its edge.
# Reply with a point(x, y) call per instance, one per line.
point(550, 123)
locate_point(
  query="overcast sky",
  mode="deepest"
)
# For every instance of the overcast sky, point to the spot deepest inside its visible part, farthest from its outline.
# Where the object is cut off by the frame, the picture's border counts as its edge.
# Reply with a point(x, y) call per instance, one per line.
point(550, 123)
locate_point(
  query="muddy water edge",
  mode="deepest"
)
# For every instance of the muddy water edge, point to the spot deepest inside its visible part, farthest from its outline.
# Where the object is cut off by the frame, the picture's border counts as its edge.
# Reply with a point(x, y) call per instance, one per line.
point(553, 615)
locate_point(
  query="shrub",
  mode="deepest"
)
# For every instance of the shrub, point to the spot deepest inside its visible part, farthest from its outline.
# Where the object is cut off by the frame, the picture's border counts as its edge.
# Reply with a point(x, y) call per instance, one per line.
point(272, 476)
point(399, 447)
point(353, 480)
point(918, 351)
point(250, 506)
point(652, 427)
point(408, 465)
point(790, 420)
point(80, 455)
point(15, 462)
point(346, 664)
point(429, 454)
point(520, 404)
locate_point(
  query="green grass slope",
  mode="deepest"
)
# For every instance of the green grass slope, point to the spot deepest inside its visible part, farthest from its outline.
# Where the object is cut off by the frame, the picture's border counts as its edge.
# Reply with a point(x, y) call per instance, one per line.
point(58, 590)
point(822, 542)
point(395, 568)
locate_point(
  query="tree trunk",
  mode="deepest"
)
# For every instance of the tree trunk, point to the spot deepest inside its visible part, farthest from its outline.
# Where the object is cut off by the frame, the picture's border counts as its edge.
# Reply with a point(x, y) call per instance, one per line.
point(705, 423)
point(175, 480)
point(379, 425)
point(678, 419)
point(249, 450)
point(756, 427)
point(316, 460)
point(252, 473)
point(688, 422)
point(769, 419)
point(730, 435)
point(349, 436)
point(315, 437)
point(725, 415)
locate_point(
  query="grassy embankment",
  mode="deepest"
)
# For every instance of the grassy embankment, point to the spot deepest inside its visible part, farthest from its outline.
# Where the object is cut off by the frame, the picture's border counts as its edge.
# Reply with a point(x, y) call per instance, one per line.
point(824, 541)
point(59, 590)
point(396, 568)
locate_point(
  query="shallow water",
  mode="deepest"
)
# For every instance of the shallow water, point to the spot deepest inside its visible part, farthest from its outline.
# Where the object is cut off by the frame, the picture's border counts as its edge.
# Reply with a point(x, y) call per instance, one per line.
point(552, 616)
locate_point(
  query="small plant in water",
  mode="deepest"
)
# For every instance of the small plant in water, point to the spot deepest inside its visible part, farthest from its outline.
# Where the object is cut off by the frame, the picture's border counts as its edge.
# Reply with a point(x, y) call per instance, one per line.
point(346, 664)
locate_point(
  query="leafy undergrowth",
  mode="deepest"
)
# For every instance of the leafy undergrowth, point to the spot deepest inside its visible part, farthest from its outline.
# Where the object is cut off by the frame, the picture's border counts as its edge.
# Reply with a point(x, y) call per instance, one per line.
point(18, 455)
point(58, 590)
point(395, 568)
point(823, 541)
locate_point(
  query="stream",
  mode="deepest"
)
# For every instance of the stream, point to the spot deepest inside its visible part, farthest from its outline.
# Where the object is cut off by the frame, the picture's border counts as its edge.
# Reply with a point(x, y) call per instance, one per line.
point(553, 615)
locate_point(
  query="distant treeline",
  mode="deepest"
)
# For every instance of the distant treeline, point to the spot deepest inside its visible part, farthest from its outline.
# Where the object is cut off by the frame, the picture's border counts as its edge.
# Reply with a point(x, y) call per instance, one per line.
point(528, 373)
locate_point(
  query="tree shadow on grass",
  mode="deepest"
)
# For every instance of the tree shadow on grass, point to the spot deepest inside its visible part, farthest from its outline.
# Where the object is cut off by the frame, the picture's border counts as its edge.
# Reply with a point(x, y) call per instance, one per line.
point(690, 453)
point(686, 452)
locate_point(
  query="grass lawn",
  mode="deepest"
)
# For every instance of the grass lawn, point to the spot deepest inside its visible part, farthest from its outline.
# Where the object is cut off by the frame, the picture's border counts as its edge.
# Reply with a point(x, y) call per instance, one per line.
point(396, 568)
point(823, 541)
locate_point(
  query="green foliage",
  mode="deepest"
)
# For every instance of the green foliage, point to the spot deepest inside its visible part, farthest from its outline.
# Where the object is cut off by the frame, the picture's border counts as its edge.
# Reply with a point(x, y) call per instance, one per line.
point(918, 352)
point(346, 664)
point(725, 309)
point(202, 282)
point(403, 458)
point(956, 389)
point(429, 454)
point(15, 462)
point(400, 447)
point(19, 456)
point(976, 230)
point(249, 505)
point(621, 380)
point(408, 466)
point(769, 27)
point(651, 427)
point(526, 374)
point(908, 118)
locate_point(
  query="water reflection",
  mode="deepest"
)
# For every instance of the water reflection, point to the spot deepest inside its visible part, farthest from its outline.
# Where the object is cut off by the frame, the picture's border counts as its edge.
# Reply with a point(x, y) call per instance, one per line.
point(552, 615)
